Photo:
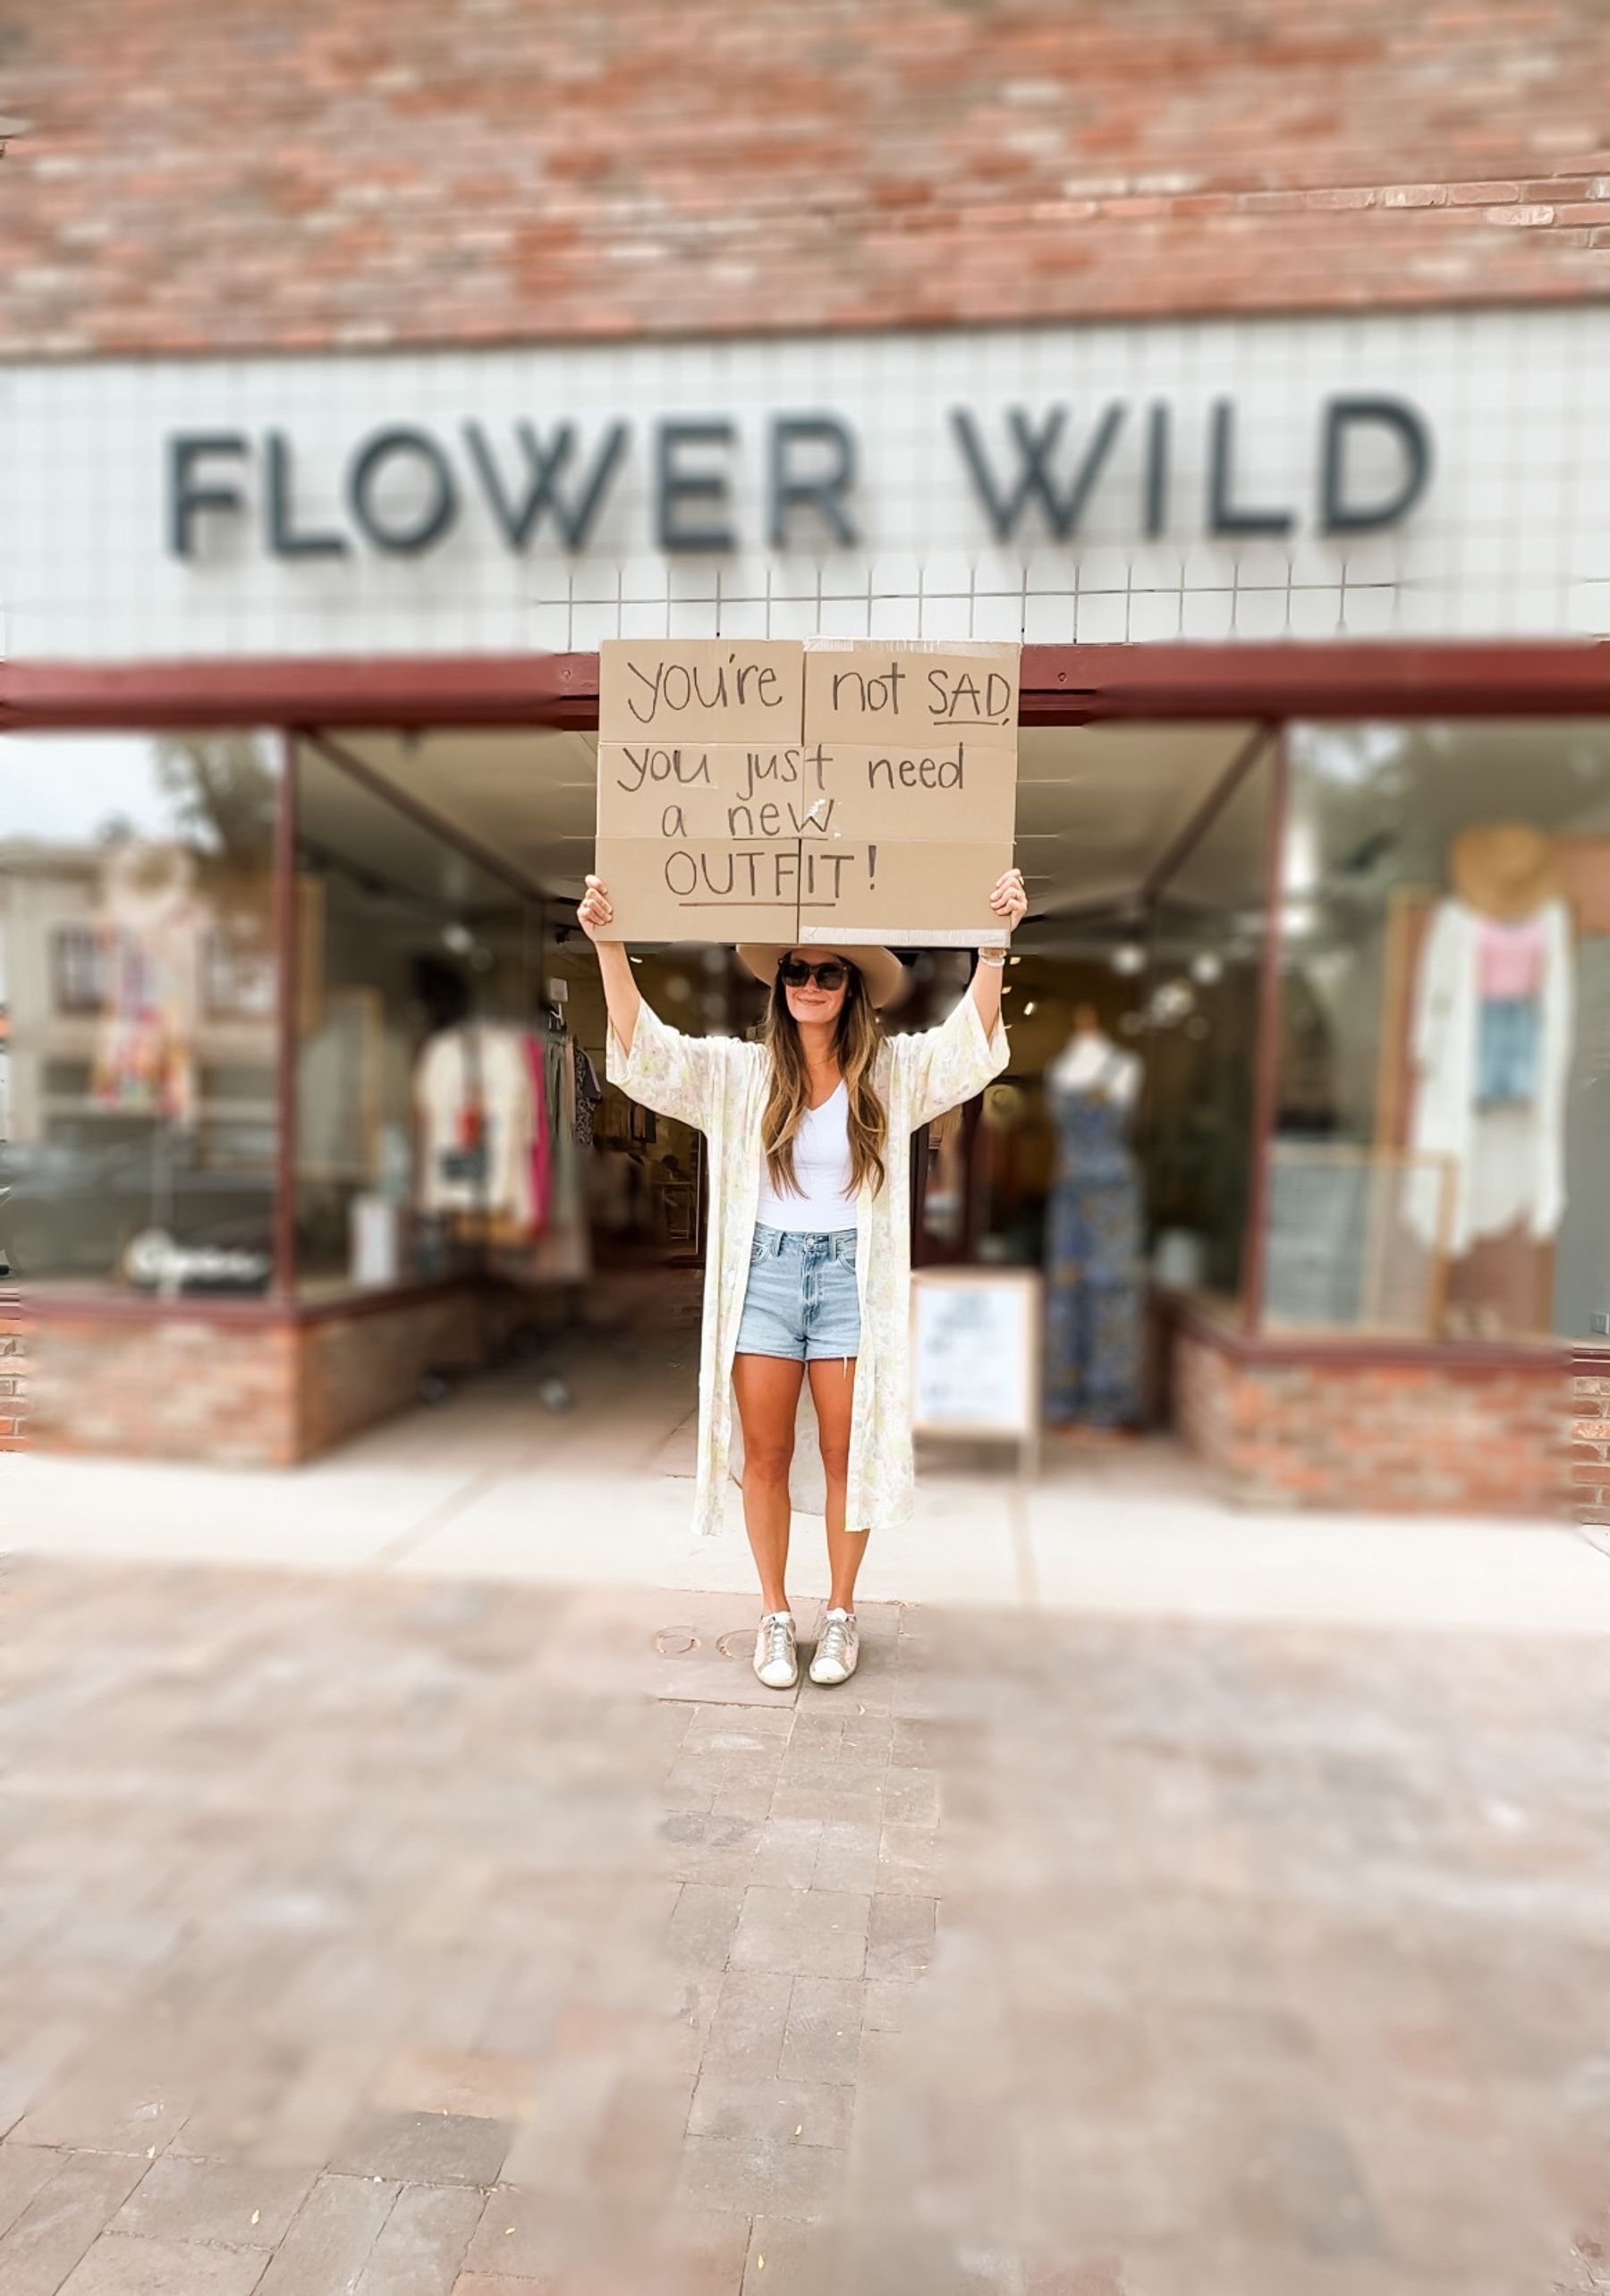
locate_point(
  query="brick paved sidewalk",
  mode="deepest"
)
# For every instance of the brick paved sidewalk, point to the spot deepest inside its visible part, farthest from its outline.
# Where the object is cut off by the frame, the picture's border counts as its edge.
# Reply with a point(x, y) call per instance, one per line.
point(421, 1939)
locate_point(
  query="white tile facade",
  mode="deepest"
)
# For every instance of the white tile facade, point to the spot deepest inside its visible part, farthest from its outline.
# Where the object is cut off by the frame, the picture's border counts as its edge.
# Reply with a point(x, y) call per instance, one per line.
point(1513, 538)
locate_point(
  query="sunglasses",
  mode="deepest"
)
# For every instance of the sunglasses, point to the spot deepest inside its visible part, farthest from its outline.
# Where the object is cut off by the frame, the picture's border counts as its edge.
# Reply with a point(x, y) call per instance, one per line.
point(793, 973)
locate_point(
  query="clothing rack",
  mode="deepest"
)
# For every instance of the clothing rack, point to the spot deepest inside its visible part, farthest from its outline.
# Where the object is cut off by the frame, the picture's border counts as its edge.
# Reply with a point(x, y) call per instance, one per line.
point(554, 1261)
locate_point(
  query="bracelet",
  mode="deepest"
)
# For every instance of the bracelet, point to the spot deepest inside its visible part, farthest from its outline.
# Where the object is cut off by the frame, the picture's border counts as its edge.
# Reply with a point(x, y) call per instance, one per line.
point(996, 959)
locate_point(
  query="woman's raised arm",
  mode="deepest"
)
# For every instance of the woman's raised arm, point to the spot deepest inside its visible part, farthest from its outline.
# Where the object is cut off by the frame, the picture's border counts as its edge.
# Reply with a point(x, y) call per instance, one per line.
point(1009, 900)
point(621, 991)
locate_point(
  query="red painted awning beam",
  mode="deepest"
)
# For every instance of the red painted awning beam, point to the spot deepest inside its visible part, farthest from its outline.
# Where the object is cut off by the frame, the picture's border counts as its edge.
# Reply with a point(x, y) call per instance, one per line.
point(1060, 685)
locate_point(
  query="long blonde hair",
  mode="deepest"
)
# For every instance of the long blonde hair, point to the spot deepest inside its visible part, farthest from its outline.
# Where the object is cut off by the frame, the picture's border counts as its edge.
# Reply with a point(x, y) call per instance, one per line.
point(855, 1042)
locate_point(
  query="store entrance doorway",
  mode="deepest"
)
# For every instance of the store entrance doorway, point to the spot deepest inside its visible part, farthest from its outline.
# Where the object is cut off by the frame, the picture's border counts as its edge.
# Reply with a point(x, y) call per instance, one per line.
point(442, 867)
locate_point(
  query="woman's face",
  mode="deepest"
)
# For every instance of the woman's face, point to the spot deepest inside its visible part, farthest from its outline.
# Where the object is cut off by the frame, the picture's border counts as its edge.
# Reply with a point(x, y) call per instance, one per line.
point(814, 1005)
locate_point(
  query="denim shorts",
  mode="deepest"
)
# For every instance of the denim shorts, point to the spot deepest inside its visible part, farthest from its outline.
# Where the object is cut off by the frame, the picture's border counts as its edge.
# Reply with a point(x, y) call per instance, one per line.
point(801, 1300)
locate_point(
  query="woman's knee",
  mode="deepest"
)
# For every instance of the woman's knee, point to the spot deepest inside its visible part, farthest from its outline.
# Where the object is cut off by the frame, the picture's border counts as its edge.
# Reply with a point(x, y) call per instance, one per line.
point(836, 1458)
point(767, 1458)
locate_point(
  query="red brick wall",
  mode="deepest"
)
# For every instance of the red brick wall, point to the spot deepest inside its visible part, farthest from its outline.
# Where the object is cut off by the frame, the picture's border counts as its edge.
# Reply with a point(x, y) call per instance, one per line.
point(12, 1376)
point(169, 1387)
point(376, 171)
point(1590, 1445)
point(250, 1395)
point(1398, 1438)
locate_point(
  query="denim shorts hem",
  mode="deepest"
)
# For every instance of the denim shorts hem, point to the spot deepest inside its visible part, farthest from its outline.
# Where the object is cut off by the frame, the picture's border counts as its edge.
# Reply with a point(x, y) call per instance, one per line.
point(810, 1351)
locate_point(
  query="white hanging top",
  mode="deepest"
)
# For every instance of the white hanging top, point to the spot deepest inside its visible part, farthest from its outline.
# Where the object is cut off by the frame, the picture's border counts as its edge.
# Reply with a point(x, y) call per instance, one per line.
point(1089, 1061)
point(821, 1162)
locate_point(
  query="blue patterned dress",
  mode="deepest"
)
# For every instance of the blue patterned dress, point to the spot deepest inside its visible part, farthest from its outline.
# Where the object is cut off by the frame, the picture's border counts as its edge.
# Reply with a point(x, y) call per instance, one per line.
point(1093, 1260)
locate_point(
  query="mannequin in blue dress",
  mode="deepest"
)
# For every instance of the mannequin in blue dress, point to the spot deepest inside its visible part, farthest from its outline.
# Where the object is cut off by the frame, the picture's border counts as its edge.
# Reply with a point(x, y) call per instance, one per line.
point(1093, 1237)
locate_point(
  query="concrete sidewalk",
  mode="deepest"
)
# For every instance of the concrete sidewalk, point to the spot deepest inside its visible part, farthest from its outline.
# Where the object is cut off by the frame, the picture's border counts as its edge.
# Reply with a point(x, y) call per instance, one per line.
point(491, 1487)
point(379, 1937)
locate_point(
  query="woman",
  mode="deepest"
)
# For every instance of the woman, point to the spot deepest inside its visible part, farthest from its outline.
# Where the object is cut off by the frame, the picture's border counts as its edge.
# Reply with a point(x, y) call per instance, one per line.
point(808, 1258)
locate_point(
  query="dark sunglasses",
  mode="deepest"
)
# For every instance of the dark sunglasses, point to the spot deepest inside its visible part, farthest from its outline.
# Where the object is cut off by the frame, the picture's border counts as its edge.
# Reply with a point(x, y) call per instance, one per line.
point(793, 973)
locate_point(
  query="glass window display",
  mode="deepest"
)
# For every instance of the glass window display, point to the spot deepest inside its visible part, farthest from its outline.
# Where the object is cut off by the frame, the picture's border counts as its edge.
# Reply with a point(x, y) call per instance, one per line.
point(1443, 1124)
point(423, 1084)
point(139, 973)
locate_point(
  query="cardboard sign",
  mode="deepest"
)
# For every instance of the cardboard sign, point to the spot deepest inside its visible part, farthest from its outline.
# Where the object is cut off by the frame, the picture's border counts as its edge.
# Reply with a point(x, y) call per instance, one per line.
point(917, 744)
point(762, 790)
point(703, 688)
point(911, 690)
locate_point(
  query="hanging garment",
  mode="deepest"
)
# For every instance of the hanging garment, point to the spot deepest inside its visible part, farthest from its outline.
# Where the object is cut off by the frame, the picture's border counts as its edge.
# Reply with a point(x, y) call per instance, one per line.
point(542, 1142)
point(589, 1093)
point(151, 924)
point(563, 1252)
point(1511, 958)
point(1093, 1260)
point(1509, 1037)
point(1507, 1156)
point(475, 1102)
point(719, 1085)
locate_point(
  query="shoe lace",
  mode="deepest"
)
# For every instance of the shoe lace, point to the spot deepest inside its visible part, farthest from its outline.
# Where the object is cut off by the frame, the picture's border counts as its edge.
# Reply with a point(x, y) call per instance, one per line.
point(778, 1632)
point(835, 1640)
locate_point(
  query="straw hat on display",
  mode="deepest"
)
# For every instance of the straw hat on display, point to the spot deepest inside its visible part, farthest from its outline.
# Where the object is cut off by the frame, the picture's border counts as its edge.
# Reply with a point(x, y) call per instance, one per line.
point(886, 979)
point(1503, 868)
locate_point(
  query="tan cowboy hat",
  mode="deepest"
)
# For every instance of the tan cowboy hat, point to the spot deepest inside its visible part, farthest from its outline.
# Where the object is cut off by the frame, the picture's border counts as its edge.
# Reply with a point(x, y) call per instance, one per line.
point(886, 979)
point(1504, 868)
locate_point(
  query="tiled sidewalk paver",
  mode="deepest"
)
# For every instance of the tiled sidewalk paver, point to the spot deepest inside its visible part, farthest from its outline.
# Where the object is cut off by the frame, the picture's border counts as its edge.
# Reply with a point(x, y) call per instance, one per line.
point(123, 2265)
point(63, 2220)
point(389, 1937)
point(331, 2238)
point(225, 2202)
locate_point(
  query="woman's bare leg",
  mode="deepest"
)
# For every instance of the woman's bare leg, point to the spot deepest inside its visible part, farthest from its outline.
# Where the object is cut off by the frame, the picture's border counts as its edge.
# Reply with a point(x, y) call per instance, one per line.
point(833, 1392)
point(768, 1391)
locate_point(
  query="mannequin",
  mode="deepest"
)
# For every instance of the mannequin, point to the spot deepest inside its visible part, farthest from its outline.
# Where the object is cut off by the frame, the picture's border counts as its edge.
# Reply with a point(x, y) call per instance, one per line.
point(1093, 1234)
point(1090, 1056)
point(1492, 1044)
point(152, 917)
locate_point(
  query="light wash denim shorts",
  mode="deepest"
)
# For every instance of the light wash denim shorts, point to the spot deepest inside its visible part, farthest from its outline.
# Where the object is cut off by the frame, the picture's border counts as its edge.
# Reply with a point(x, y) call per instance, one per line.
point(801, 1300)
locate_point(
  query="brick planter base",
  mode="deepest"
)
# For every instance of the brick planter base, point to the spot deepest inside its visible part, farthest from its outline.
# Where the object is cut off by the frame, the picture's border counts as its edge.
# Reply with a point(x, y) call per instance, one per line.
point(178, 1383)
point(1432, 1436)
point(13, 1374)
point(1590, 1445)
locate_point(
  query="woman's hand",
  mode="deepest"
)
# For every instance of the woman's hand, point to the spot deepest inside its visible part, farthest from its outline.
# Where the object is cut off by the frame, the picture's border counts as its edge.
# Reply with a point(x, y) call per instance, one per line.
point(1010, 904)
point(1009, 900)
point(594, 913)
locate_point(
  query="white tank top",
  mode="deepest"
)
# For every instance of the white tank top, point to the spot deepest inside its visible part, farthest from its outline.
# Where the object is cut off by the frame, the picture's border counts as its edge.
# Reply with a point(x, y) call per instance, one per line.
point(821, 1162)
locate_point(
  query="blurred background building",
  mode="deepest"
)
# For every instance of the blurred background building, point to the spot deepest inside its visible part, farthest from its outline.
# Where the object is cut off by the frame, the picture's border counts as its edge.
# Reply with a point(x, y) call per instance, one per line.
point(365, 367)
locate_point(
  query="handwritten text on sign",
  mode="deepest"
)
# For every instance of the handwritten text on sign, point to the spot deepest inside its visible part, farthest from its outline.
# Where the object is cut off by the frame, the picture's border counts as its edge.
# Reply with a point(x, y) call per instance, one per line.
point(765, 791)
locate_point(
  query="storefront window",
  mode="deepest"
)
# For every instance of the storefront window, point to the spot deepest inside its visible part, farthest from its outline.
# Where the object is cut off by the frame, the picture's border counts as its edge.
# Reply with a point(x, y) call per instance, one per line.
point(1197, 1029)
point(139, 990)
point(1135, 986)
point(420, 1009)
point(1442, 1124)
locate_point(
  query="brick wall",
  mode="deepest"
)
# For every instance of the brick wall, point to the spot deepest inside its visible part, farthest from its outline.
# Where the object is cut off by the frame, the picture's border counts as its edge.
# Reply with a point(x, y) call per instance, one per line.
point(173, 1387)
point(1398, 1438)
point(1590, 1446)
point(382, 170)
point(14, 1383)
point(247, 1394)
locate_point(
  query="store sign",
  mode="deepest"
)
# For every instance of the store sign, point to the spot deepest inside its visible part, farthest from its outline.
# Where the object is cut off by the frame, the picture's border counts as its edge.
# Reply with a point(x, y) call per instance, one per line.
point(404, 488)
point(844, 791)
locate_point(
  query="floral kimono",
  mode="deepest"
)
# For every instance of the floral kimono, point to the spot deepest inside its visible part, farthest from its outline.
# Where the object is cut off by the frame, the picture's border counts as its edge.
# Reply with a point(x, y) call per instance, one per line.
point(719, 1084)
